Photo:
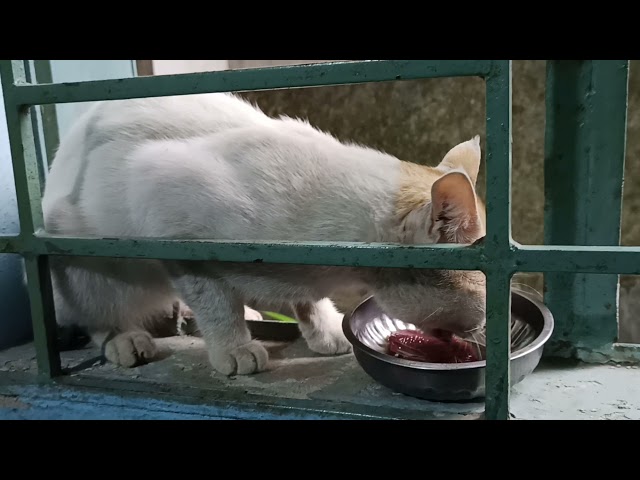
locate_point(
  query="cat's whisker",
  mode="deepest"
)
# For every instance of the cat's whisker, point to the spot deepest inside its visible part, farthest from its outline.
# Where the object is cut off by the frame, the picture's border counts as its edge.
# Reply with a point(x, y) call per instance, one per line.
point(474, 329)
point(477, 345)
point(437, 310)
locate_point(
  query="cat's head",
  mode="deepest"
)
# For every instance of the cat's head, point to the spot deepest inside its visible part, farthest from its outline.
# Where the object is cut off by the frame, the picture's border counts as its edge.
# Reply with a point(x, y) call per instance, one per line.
point(439, 205)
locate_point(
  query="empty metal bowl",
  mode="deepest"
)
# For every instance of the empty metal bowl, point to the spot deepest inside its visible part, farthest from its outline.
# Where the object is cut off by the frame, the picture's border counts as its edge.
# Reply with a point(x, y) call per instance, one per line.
point(368, 328)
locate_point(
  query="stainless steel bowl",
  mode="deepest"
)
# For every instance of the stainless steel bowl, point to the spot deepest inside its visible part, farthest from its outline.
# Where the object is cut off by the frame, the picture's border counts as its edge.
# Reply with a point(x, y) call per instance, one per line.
point(368, 327)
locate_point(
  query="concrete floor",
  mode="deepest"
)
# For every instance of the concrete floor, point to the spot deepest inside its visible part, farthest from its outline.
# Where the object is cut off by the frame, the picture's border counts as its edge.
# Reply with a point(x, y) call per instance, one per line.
point(298, 385)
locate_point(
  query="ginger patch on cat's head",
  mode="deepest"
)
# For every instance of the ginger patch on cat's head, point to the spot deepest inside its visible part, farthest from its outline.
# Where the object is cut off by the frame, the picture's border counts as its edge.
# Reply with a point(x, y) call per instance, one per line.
point(440, 204)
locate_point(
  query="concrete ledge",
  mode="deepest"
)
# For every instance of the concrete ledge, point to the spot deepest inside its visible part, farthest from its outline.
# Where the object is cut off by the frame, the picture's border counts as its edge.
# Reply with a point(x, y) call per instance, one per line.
point(299, 385)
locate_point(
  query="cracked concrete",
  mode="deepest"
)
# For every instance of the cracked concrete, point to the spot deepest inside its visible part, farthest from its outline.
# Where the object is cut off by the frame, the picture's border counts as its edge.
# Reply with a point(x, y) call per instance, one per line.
point(579, 392)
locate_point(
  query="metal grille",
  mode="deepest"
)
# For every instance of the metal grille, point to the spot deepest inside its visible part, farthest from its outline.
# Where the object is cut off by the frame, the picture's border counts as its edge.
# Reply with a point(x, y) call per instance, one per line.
point(498, 256)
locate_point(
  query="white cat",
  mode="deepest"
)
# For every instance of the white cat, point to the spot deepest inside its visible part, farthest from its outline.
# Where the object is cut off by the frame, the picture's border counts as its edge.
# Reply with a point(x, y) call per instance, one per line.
point(214, 167)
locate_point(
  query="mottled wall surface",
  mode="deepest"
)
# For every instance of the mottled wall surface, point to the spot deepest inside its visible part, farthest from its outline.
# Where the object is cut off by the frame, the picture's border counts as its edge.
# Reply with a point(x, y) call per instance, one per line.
point(420, 120)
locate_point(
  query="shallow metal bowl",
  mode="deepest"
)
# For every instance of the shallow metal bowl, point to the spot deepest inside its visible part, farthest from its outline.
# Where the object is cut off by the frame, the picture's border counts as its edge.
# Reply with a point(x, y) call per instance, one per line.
point(368, 327)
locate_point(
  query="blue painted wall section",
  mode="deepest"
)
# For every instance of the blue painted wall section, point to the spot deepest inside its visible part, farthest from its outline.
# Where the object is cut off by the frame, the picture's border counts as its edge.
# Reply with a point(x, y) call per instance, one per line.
point(56, 403)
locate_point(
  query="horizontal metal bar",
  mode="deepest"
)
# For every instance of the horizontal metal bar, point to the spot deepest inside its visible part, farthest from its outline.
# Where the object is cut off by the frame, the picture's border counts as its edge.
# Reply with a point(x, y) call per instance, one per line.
point(307, 253)
point(295, 76)
point(577, 259)
point(520, 258)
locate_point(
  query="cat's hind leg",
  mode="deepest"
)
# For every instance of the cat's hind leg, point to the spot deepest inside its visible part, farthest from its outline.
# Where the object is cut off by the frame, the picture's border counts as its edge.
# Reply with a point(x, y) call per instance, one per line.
point(127, 349)
point(119, 303)
point(219, 314)
point(321, 326)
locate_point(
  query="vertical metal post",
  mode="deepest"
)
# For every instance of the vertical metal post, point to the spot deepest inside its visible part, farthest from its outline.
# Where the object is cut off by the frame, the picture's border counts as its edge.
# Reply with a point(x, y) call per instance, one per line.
point(498, 240)
point(30, 76)
point(585, 143)
point(48, 112)
point(28, 192)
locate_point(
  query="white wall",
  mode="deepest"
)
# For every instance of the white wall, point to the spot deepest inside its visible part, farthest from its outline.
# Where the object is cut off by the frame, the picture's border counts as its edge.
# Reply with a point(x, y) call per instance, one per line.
point(168, 67)
point(84, 70)
point(237, 64)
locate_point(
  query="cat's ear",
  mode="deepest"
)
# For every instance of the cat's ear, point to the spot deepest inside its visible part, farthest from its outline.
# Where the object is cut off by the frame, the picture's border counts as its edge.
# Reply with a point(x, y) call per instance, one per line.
point(465, 156)
point(454, 209)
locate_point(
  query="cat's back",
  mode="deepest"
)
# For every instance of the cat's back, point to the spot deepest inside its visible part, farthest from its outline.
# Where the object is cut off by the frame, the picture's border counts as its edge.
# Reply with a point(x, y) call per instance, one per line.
point(136, 121)
point(177, 117)
point(113, 128)
point(209, 165)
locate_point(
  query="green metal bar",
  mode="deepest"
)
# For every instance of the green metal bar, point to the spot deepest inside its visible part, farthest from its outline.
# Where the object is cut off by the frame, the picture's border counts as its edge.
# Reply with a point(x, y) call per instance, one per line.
point(578, 259)
point(584, 169)
point(524, 258)
point(48, 112)
point(498, 201)
point(498, 240)
point(307, 253)
point(23, 151)
point(43, 314)
point(497, 374)
point(27, 182)
point(30, 75)
point(297, 76)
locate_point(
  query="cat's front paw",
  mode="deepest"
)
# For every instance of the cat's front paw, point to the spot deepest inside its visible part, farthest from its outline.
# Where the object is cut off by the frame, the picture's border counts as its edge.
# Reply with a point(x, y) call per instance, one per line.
point(326, 337)
point(323, 329)
point(327, 342)
point(246, 359)
point(129, 349)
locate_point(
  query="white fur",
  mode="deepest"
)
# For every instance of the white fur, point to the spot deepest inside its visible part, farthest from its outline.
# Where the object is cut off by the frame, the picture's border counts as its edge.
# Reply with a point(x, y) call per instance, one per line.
point(212, 166)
